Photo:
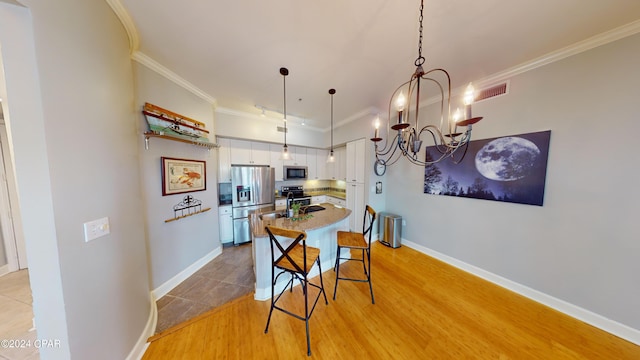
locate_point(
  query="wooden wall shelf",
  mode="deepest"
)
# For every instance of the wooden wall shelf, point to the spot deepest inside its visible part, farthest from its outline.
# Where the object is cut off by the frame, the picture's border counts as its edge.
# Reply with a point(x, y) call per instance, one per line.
point(150, 134)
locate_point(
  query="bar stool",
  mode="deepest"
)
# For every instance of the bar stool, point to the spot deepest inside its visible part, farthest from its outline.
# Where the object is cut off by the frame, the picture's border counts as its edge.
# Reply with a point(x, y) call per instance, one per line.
point(297, 260)
point(357, 241)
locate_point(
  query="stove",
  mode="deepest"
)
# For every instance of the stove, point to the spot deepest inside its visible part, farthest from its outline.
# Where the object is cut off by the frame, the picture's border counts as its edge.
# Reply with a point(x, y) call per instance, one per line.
point(298, 195)
point(297, 191)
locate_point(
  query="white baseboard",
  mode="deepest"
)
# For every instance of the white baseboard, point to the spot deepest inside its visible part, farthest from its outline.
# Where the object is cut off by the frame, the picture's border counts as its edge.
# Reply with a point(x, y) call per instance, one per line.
point(4, 269)
point(623, 331)
point(164, 289)
point(141, 345)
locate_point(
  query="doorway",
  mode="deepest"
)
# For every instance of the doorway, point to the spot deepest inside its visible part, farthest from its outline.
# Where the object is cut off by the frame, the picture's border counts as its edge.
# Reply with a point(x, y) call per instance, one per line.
point(13, 253)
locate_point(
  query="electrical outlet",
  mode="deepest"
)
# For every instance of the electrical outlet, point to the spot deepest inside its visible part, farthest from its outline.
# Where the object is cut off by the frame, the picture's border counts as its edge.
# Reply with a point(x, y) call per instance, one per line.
point(96, 228)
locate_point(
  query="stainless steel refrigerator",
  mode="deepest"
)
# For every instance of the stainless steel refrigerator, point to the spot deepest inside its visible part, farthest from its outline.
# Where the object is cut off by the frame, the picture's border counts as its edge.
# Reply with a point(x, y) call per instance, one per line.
point(252, 189)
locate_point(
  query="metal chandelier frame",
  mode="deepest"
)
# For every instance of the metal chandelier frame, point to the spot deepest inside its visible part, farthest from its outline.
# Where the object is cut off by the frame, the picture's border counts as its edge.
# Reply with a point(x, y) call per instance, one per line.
point(450, 142)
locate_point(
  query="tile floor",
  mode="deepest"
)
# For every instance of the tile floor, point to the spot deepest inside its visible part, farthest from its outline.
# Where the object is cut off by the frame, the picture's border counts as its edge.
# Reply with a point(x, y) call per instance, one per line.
point(16, 316)
point(225, 278)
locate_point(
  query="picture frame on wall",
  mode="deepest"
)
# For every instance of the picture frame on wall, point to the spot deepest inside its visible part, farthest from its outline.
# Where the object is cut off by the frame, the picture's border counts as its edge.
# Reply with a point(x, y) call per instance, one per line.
point(508, 169)
point(182, 176)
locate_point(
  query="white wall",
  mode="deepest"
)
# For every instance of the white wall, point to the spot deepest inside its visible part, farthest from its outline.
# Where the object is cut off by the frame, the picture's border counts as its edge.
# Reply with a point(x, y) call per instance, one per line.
point(582, 246)
point(242, 126)
point(74, 142)
point(176, 245)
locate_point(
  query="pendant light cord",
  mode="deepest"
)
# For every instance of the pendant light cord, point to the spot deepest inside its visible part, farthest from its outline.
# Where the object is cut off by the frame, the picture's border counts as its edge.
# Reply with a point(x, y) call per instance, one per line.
point(285, 72)
point(332, 91)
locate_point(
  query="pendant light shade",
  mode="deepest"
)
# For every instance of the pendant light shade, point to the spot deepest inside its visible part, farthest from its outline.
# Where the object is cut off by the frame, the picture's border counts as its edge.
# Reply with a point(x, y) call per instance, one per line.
point(285, 149)
point(331, 157)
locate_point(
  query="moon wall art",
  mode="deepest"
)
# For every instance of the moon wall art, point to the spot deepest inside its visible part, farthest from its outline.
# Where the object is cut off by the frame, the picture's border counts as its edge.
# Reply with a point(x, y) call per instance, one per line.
point(511, 169)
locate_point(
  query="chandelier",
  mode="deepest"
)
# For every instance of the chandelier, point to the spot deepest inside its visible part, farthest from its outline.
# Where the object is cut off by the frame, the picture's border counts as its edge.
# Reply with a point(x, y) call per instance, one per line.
point(451, 138)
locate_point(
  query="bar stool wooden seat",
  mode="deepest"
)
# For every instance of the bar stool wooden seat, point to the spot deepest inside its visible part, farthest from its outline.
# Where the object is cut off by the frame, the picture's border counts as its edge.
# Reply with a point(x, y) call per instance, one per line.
point(357, 241)
point(297, 260)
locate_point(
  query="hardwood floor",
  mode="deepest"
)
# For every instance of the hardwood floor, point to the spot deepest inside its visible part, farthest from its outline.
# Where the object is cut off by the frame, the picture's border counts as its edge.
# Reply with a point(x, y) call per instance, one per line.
point(16, 317)
point(424, 309)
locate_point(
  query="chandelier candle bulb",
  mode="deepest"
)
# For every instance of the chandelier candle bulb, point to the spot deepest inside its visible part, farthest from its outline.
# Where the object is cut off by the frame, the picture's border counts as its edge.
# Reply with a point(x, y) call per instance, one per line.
point(469, 96)
point(400, 107)
point(400, 102)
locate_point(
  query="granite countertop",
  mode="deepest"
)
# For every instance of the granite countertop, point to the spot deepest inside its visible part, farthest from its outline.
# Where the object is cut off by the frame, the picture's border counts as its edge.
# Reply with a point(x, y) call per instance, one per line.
point(318, 219)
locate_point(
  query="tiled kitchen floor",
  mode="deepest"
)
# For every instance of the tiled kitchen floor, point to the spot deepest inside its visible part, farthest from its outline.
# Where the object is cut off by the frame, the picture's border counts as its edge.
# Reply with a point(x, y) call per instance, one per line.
point(16, 316)
point(225, 278)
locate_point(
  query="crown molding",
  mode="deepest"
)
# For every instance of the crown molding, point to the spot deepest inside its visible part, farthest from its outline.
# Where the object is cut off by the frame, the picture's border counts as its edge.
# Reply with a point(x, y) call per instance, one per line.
point(563, 53)
point(145, 60)
point(127, 22)
point(576, 48)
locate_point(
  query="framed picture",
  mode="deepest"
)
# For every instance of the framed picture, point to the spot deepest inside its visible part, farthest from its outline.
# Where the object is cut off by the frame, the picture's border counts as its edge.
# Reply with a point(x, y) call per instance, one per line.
point(509, 169)
point(182, 176)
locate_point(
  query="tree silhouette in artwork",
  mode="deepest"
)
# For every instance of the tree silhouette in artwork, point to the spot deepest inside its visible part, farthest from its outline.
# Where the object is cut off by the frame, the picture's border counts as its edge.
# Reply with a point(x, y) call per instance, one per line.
point(479, 190)
point(450, 187)
point(432, 175)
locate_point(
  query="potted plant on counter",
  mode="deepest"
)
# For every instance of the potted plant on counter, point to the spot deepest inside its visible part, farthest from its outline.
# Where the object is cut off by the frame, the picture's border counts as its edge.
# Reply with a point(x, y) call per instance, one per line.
point(295, 208)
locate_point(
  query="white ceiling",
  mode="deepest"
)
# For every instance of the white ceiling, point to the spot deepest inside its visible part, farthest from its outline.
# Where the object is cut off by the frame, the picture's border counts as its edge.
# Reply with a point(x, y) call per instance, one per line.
point(233, 50)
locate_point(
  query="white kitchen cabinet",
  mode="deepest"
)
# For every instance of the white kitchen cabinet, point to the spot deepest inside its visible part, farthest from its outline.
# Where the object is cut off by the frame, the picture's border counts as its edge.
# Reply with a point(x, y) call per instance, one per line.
point(281, 204)
point(341, 168)
point(245, 152)
point(355, 203)
point(224, 160)
point(318, 199)
point(321, 164)
point(336, 201)
point(275, 153)
point(312, 165)
point(225, 217)
point(337, 169)
point(298, 156)
point(355, 155)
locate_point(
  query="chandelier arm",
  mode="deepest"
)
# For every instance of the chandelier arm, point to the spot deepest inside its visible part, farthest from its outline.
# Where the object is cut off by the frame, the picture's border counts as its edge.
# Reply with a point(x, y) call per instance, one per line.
point(385, 151)
point(464, 153)
point(413, 84)
point(442, 92)
point(390, 160)
point(437, 131)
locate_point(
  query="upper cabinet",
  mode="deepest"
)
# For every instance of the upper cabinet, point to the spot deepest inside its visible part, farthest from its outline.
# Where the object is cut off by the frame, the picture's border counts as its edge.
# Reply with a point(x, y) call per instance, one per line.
point(224, 160)
point(355, 161)
point(312, 164)
point(245, 152)
point(297, 156)
point(337, 169)
point(249, 153)
point(276, 160)
point(321, 164)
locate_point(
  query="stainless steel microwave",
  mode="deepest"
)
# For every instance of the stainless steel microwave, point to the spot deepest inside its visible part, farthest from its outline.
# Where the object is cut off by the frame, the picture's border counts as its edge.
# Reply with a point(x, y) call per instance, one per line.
point(295, 172)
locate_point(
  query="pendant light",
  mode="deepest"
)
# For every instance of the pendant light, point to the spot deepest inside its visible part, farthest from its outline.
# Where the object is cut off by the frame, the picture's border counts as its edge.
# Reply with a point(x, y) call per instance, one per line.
point(285, 149)
point(331, 157)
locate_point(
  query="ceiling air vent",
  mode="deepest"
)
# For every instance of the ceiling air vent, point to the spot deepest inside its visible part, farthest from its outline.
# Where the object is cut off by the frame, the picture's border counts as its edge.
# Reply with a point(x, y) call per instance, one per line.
point(493, 91)
point(282, 129)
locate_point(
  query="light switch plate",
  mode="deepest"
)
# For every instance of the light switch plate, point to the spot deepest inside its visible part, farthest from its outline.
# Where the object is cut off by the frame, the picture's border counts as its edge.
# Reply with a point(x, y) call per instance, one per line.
point(96, 228)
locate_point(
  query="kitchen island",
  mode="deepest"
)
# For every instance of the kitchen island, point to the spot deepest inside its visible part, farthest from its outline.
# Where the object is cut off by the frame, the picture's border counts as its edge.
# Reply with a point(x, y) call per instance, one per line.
point(321, 228)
